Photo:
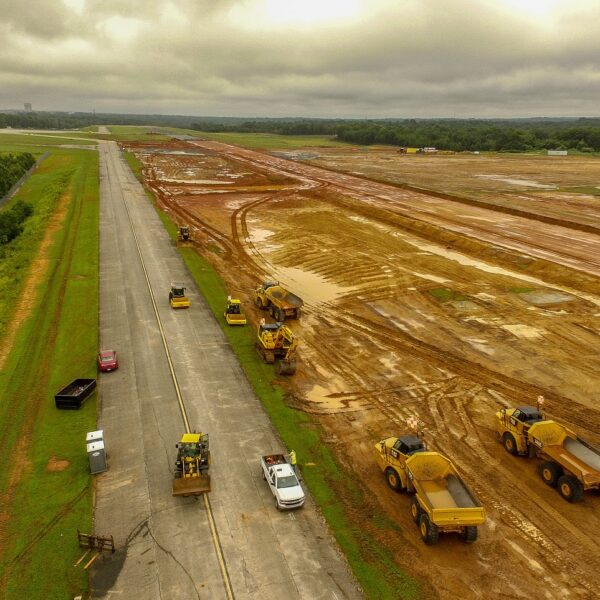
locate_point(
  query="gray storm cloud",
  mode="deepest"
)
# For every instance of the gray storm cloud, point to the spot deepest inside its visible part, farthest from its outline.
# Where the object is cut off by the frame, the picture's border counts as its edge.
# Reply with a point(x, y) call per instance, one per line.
point(252, 58)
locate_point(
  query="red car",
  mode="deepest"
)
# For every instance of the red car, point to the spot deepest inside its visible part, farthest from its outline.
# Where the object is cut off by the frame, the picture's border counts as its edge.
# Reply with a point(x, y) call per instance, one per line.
point(107, 360)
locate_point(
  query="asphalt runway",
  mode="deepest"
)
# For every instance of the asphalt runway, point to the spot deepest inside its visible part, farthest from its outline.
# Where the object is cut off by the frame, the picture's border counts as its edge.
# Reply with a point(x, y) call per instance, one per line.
point(166, 547)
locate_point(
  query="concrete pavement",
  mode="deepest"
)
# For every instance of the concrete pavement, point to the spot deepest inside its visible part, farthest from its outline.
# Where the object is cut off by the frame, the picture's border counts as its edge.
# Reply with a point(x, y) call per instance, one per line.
point(166, 549)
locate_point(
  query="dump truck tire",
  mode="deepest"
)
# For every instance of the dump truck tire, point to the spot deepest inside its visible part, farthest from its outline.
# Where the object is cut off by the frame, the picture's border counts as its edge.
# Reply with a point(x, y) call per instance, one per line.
point(415, 510)
point(510, 445)
point(570, 488)
point(430, 533)
point(393, 479)
point(298, 313)
point(469, 534)
point(550, 473)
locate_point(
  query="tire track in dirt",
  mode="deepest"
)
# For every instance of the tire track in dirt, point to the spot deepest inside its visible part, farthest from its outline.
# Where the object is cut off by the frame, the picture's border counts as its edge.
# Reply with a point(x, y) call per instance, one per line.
point(471, 372)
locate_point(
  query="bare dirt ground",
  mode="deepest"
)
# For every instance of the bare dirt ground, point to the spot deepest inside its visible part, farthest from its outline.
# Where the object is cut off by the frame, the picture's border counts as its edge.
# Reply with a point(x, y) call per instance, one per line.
point(398, 323)
point(555, 186)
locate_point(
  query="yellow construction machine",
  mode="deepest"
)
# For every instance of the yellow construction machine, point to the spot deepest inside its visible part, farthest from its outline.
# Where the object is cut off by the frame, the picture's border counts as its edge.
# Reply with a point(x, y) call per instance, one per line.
point(277, 343)
point(233, 312)
point(191, 465)
point(569, 463)
point(184, 237)
point(280, 303)
point(441, 502)
point(177, 296)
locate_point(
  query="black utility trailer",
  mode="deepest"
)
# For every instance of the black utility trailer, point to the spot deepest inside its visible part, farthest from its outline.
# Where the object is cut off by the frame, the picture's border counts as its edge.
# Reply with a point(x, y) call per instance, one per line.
point(74, 395)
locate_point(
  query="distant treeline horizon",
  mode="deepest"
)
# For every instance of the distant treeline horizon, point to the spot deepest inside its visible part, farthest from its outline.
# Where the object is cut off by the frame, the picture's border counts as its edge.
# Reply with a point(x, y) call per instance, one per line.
point(499, 135)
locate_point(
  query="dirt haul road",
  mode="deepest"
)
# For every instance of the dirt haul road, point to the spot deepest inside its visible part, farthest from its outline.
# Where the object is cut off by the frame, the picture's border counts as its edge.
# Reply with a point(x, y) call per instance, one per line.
point(398, 324)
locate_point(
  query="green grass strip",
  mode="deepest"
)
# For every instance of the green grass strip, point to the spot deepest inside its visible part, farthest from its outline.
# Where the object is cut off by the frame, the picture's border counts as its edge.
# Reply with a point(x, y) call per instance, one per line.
point(56, 344)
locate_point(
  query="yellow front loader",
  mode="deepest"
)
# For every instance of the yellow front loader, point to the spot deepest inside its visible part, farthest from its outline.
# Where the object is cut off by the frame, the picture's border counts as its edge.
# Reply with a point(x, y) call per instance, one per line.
point(191, 466)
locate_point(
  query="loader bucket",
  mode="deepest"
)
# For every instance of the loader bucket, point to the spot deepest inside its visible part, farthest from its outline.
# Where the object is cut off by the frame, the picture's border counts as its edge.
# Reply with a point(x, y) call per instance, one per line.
point(286, 368)
point(191, 486)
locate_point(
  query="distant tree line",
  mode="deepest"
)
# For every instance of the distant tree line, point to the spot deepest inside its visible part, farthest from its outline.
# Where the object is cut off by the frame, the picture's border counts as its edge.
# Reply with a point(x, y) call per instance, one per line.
point(458, 135)
point(12, 168)
point(500, 135)
point(12, 219)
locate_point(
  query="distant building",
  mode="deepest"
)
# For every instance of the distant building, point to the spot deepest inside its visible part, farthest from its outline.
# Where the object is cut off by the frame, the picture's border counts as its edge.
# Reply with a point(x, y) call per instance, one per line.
point(557, 152)
point(27, 106)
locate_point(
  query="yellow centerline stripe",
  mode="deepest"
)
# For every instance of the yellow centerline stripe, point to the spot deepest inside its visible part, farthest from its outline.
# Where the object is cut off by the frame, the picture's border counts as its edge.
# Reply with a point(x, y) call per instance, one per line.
point(209, 512)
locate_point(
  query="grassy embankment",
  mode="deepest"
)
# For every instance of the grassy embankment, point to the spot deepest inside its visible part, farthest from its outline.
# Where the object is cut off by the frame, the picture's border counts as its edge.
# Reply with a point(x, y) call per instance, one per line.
point(259, 141)
point(49, 280)
point(372, 565)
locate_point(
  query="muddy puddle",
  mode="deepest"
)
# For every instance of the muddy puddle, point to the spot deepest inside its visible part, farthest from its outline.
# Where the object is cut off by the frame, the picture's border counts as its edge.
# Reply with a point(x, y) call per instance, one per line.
point(310, 285)
point(521, 182)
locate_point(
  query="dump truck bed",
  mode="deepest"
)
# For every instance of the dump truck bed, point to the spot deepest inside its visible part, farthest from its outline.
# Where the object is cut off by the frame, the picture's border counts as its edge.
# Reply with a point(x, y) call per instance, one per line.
point(441, 491)
point(284, 298)
point(565, 448)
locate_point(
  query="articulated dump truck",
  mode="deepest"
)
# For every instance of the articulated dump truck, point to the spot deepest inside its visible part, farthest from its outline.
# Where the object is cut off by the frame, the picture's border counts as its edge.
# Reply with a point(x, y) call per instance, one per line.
point(280, 302)
point(442, 502)
point(568, 462)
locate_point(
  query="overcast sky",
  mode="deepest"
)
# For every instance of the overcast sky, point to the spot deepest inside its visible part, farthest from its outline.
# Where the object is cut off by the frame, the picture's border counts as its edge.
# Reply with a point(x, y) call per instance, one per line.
point(322, 58)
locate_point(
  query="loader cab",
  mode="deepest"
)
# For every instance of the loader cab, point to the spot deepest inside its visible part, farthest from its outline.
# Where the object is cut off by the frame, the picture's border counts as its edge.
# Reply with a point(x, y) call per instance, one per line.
point(268, 284)
point(269, 327)
point(233, 309)
point(177, 290)
point(528, 415)
point(409, 444)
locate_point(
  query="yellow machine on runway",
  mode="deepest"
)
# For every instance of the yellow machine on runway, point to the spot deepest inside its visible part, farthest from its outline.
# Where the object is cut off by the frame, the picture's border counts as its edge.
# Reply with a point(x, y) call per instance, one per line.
point(177, 296)
point(276, 342)
point(191, 465)
point(233, 312)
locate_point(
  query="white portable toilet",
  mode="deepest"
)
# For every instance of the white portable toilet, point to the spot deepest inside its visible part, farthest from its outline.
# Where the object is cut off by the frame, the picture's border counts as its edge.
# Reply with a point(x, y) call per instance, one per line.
point(97, 457)
point(94, 436)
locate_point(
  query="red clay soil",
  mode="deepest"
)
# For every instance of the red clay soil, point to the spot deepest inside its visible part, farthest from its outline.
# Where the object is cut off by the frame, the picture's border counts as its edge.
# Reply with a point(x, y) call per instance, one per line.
point(397, 324)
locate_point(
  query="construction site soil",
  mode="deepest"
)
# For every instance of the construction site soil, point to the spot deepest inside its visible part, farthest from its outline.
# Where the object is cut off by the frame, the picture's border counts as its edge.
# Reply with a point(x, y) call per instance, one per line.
point(423, 305)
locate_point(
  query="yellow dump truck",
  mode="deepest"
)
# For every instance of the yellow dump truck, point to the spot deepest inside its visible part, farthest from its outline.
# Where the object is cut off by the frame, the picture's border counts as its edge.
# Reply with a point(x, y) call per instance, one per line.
point(568, 462)
point(442, 502)
point(280, 302)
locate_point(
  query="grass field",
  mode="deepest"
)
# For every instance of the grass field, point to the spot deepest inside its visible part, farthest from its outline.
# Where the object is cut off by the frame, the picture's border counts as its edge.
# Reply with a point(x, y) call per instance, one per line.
point(45, 487)
point(52, 139)
point(263, 141)
point(373, 566)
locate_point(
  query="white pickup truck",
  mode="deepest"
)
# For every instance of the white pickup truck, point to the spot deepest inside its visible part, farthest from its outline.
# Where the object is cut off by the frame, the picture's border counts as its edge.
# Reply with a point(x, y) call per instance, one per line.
point(282, 481)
